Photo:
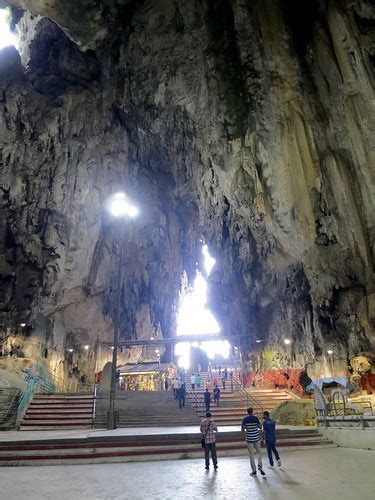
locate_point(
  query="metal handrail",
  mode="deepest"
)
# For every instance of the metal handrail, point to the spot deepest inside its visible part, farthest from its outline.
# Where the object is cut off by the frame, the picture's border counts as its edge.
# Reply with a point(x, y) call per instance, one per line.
point(250, 401)
point(9, 398)
point(198, 403)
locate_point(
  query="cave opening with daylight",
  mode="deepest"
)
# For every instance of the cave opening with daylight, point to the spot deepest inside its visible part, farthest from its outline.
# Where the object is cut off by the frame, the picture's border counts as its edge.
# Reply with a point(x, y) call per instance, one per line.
point(7, 38)
point(195, 318)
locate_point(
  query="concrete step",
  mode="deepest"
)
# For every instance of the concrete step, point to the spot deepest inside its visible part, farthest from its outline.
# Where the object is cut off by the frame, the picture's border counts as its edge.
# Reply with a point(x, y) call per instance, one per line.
point(139, 448)
point(54, 411)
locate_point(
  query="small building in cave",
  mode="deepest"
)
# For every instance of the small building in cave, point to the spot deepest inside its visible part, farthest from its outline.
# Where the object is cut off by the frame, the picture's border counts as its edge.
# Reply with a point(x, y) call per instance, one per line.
point(146, 376)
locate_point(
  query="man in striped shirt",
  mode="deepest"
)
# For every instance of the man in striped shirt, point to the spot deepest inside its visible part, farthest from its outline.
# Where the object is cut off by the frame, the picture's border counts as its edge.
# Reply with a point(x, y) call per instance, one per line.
point(251, 426)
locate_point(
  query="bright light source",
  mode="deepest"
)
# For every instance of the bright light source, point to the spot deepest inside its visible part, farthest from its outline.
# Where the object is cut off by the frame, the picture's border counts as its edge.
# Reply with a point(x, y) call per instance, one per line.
point(193, 317)
point(329, 351)
point(7, 38)
point(70, 350)
point(120, 206)
point(86, 347)
point(287, 341)
point(209, 261)
point(23, 325)
point(151, 338)
point(157, 351)
point(258, 341)
point(220, 347)
point(112, 347)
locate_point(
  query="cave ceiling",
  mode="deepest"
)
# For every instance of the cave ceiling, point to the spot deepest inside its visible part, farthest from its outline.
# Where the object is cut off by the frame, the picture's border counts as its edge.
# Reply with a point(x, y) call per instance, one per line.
point(246, 125)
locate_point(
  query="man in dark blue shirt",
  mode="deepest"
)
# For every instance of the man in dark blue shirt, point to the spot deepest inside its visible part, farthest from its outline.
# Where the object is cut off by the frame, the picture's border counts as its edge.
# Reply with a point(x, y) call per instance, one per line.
point(251, 426)
point(207, 399)
point(269, 428)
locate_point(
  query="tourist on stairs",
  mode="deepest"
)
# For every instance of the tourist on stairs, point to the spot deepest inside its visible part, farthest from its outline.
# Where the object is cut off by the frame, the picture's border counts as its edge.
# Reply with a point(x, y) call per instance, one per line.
point(217, 395)
point(176, 384)
point(208, 430)
point(207, 399)
point(181, 394)
point(269, 428)
point(223, 379)
point(192, 381)
point(198, 381)
point(251, 426)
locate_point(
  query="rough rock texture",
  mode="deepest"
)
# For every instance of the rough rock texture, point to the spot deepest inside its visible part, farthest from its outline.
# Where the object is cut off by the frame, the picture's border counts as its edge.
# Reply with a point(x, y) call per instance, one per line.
point(248, 125)
point(295, 413)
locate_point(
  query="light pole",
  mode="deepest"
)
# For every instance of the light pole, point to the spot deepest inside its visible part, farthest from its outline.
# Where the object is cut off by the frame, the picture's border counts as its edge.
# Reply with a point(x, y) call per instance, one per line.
point(120, 207)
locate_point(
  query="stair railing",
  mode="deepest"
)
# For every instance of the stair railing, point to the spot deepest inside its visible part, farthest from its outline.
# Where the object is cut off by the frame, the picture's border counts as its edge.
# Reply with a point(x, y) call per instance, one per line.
point(9, 398)
point(199, 405)
point(250, 401)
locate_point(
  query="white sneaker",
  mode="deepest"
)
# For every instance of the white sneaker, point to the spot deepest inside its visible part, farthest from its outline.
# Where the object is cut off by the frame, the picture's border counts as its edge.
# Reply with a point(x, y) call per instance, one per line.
point(279, 463)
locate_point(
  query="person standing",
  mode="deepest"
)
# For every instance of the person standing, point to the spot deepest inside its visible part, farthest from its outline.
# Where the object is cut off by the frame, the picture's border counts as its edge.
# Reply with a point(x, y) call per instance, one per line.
point(217, 395)
point(181, 394)
point(176, 384)
point(207, 399)
point(209, 429)
point(269, 428)
point(251, 426)
point(223, 379)
point(198, 380)
point(192, 381)
point(226, 373)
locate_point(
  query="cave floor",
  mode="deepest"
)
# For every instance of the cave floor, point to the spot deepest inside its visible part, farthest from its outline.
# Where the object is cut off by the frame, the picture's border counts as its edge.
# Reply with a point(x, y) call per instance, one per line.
point(329, 473)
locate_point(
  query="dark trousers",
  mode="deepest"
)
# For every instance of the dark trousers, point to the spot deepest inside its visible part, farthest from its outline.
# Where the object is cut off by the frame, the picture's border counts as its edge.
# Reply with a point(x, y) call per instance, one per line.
point(181, 402)
point(210, 447)
point(175, 393)
point(271, 447)
point(207, 406)
point(217, 401)
point(193, 386)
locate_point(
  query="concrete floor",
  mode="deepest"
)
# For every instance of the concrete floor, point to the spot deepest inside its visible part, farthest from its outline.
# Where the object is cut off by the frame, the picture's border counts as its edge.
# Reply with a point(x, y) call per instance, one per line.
point(334, 473)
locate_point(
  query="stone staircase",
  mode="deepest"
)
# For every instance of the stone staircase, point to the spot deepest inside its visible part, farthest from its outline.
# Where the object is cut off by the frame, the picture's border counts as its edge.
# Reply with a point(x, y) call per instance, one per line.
point(137, 448)
point(233, 406)
point(145, 409)
point(268, 399)
point(58, 411)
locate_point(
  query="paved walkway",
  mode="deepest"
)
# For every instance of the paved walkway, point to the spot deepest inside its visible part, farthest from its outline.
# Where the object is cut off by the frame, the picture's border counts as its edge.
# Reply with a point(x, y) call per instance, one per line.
point(334, 473)
point(130, 431)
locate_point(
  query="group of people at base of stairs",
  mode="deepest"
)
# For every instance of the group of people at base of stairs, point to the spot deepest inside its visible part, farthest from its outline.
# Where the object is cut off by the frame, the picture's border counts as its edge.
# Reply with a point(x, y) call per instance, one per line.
point(254, 437)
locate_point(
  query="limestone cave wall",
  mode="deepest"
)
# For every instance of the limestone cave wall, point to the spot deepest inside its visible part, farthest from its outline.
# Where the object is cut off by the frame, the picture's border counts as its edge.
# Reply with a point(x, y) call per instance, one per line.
point(246, 125)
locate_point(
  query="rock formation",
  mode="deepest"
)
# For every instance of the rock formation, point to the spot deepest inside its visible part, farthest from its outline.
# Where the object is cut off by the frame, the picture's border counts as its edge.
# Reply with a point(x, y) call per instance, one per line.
point(246, 125)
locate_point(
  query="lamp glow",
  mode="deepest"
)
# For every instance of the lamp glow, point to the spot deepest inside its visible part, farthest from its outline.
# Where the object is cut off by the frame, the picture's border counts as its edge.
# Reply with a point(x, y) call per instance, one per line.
point(120, 206)
point(86, 347)
point(23, 325)
point(70, 350)
point(287, 341)
point(329, 351)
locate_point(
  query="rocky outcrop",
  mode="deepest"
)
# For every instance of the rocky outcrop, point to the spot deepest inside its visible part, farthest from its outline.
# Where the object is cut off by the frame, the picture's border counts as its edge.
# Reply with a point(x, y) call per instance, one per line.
point(249, 127)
